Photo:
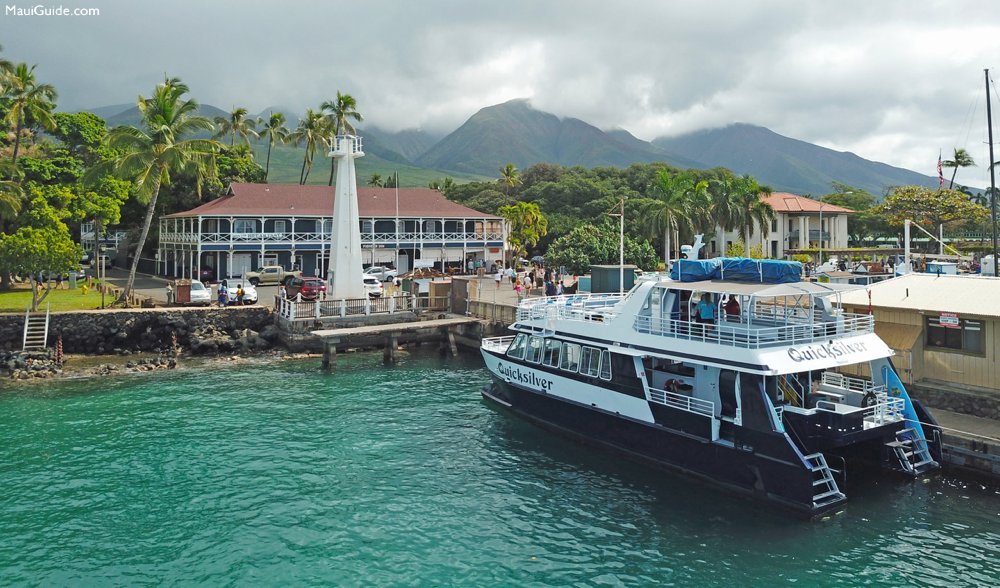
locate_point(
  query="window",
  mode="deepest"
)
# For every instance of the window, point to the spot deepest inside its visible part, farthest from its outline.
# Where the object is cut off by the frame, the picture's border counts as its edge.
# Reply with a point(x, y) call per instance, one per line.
point(516, 349)
point(590, 361)
point(966, 337)
point(605, 365)
point(550, 356)
point(570, 357)
point(244, 225)
point(534, 351)
point(280, 226)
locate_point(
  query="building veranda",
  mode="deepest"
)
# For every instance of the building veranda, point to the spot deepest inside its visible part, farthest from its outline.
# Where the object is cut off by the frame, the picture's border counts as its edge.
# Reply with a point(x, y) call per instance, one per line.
point(256, 225)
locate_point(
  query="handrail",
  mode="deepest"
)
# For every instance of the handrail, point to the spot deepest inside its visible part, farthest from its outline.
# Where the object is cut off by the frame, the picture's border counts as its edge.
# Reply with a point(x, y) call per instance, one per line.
point(301, 310)
point(497, 344)
point(683, 402)
point(27, 319)
point(740, 335)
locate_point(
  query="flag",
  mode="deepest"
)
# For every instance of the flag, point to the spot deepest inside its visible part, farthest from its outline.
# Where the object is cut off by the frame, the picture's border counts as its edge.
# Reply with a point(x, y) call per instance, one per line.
point(940, 172)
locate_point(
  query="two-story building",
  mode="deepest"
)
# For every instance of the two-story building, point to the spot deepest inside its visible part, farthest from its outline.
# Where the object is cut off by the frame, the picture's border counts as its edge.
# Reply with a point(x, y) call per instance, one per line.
point(290, 225)
point(800, 223)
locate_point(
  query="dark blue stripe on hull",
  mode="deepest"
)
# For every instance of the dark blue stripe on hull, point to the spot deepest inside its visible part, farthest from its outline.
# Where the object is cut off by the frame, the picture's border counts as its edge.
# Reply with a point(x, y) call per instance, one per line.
point(777, 479)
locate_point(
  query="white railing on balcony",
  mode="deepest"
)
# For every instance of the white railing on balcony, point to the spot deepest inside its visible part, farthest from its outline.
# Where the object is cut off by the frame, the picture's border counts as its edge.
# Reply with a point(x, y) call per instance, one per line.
point(317, 237)
point(758, 333)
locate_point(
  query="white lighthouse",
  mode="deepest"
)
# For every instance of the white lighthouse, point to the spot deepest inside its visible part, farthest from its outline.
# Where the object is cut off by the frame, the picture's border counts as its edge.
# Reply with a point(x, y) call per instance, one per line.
point(344, 278)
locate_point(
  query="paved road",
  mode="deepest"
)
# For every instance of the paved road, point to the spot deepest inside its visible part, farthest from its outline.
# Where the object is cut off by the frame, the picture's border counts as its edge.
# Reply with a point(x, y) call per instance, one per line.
point(155, 287)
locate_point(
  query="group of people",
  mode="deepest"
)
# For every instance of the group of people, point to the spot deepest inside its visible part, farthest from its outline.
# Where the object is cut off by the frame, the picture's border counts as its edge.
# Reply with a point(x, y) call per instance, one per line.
point(224, 294)
point(705, 311)
point(552, 283)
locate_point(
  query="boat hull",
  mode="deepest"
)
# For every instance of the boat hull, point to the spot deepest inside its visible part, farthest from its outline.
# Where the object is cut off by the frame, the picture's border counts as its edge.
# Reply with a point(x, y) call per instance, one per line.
point(760, 468)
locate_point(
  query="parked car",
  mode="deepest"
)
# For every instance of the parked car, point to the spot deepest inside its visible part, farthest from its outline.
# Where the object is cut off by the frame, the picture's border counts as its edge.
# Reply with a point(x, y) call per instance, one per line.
point(232, 287)
point(207, 274)
point(384, 274)
point(271, 274)
point(310, 288)
point(200, 295)
point(373, 287)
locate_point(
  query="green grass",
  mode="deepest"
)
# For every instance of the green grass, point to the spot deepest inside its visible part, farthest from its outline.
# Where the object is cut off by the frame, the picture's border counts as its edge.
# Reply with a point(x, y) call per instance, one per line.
point(19, 299)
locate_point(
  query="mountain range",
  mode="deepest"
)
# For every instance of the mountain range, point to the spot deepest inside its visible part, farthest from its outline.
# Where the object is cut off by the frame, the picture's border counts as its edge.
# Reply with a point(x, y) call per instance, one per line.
point(515, 132)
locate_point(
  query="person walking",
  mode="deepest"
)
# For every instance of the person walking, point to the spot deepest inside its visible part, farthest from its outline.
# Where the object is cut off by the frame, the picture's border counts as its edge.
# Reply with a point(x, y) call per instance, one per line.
point(170, 294)
point(223, 295)
point(498, 277)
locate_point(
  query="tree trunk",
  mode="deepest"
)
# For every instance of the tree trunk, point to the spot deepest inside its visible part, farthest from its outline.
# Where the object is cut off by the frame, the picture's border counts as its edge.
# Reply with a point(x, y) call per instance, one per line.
point(302, 172)
point(123, 299)
point(953, 174)
point(746, 238)
point(333, 167)
point(267, 166)
point(666, 248)
point(17, 143)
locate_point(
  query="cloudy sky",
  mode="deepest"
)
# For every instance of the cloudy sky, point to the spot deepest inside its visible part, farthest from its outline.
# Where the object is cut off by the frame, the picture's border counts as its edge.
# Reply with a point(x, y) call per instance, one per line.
point(893, 81)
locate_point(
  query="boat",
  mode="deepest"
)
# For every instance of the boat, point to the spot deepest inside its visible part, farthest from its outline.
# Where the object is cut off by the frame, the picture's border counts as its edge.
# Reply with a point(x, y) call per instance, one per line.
point(775, 398)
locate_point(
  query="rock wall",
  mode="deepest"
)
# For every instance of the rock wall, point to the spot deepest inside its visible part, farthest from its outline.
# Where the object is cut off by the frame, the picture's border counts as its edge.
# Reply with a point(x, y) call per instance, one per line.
point(197, 330)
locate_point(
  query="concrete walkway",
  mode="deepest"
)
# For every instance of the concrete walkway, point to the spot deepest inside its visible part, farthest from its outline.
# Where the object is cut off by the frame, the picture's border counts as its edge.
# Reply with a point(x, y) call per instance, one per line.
point(968, 426)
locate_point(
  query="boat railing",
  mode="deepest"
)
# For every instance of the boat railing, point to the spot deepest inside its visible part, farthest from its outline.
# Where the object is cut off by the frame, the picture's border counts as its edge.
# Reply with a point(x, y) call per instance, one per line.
point(580, 307)
point(497, 344)
point(886, 410)
point(859, 385)
point(683, 402)
point(755, 335)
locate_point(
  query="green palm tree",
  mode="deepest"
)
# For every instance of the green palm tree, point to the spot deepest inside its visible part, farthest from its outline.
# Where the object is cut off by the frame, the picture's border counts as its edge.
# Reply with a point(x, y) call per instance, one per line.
point(309, 132)
point(375, 181)
point(747, 207)
point(276, 132)
point(527, 225)
point(680, 201)
point(340, 113)
point(236, 125)
point(961, 159)
point(27, 100)
point(149, 156)
point(510, 177)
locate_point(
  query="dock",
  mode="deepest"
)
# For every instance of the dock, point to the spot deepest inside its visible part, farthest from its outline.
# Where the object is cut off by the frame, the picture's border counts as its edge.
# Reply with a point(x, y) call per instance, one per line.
point(392, 332)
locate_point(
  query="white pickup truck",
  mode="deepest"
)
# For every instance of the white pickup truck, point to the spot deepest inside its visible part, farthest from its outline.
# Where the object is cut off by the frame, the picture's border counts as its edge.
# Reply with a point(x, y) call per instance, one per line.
point(270, 274)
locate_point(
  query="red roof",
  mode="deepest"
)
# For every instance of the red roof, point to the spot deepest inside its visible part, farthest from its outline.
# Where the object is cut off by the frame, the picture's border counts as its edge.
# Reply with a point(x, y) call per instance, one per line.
point(293, 199)
point(785, 202)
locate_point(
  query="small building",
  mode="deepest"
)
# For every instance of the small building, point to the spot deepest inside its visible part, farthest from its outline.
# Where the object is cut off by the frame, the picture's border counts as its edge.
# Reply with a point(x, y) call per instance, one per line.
point(944, 328)
point(290, 225)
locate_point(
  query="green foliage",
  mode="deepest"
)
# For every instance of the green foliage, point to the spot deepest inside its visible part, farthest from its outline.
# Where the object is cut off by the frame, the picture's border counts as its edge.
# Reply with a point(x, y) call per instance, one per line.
point(929, 207)
point(30, 251)
point(801, 258)
point(588, 245)
point(81, 132)
point(526, 225)
point(864, 224)
point(58, 167)
point(739, 249)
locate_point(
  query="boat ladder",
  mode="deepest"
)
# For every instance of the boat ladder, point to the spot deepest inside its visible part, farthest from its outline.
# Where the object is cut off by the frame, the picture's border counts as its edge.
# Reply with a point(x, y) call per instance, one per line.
point(911, 452)
point(36, 330)
point(827, 491)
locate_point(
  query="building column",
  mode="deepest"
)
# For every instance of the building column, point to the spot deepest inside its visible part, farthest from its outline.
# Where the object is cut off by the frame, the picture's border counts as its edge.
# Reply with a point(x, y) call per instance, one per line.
point(803, 232)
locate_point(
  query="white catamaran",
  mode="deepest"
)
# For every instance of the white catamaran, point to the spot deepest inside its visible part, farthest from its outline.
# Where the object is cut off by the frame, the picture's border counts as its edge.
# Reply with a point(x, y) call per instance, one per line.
point(773, 397)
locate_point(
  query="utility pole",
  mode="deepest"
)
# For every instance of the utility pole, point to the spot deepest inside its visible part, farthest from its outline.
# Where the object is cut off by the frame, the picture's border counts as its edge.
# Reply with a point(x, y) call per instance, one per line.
point(993, 182)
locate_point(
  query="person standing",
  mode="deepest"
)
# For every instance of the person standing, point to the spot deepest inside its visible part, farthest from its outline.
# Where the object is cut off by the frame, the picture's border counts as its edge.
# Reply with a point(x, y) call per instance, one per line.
point(223, 295)
point(706, 310)
point(239, 294)
point(170, 293)
point(498, 277)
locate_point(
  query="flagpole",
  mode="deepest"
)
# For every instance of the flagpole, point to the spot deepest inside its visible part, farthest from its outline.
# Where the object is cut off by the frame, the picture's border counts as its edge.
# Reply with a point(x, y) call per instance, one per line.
point(396, 261)
point(993, 183)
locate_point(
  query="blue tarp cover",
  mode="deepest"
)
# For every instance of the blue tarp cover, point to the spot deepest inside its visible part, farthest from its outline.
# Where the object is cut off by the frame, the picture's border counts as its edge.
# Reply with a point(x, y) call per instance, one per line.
point(737, 269)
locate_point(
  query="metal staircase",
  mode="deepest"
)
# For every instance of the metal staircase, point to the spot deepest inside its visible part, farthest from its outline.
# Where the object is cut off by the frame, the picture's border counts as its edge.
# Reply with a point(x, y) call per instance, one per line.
point(36, 330)
point(911, 452)
point(827, 491)
point(791, 390)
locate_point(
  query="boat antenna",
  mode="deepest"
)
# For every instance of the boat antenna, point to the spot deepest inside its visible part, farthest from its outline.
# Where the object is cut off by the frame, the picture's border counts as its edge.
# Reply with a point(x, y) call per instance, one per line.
point(993, 182)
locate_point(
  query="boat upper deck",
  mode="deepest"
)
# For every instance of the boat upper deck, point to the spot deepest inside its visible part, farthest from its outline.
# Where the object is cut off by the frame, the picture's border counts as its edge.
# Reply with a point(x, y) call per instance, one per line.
point(776, 314)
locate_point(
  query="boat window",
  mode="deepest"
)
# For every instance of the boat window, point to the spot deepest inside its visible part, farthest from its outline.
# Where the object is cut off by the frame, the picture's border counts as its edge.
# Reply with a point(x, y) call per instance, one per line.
point(534, 351)
point(605, 365)
point(551, 355)
point(590, 361)
point(516, 349)
point(570, 357)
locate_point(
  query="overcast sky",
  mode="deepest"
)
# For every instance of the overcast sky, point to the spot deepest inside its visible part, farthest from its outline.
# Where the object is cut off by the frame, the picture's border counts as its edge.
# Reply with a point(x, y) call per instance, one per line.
point(893, 81)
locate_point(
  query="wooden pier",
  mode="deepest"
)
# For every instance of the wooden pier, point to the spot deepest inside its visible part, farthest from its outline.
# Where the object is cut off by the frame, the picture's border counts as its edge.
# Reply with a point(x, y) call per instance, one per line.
point(392, 332)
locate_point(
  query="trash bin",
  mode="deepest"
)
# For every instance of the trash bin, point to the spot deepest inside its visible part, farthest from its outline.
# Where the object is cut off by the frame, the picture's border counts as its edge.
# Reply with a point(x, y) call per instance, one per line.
point(182, 291)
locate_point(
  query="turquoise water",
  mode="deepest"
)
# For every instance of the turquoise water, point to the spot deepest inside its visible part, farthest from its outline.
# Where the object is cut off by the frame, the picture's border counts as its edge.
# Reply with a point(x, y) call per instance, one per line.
point(274, 474)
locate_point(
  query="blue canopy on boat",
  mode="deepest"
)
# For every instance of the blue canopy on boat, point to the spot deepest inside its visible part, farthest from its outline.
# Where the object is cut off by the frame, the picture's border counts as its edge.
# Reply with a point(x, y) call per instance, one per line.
point(737, 269)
